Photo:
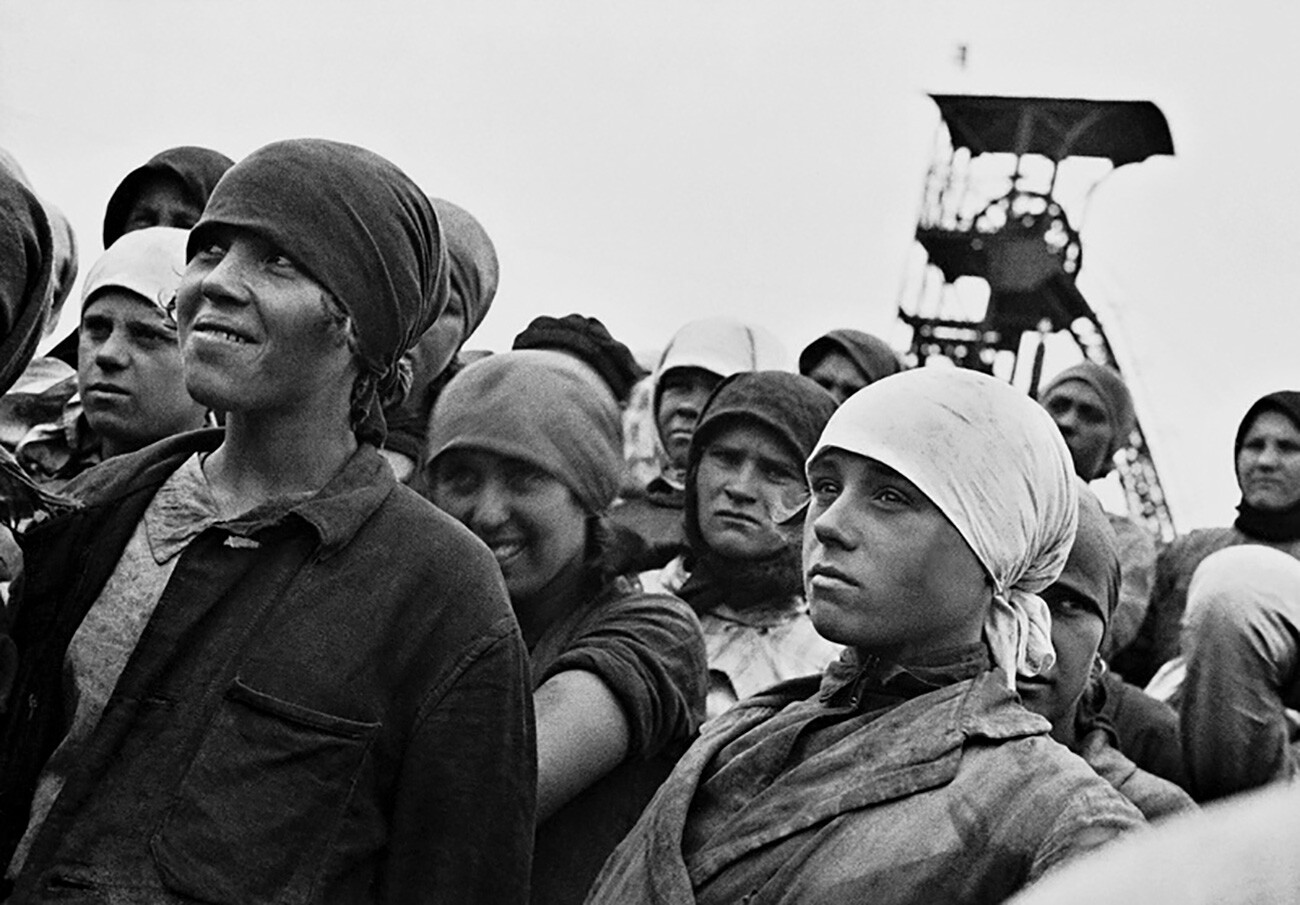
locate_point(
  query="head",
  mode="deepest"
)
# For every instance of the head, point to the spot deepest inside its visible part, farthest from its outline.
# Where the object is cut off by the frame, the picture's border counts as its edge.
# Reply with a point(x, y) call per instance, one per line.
point(745, 469)
point(1267, 453)
point(27, 257)
point(315, 266)
point(844, 361)
point(1094, 411)
point(473, 274)
point(942, 503)
point(527, 454)
point(589, 341)
point(1081, 603)
point(170, 189)
point(695, 360)
point(129, 371)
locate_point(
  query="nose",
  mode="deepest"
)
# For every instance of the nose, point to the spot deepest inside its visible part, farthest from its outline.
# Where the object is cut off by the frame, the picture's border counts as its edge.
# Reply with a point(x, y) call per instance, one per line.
point(227, 280)
point(490, 509)
point(112, 354)
point(1267, 456)
point(740, 483)
point(830, 529)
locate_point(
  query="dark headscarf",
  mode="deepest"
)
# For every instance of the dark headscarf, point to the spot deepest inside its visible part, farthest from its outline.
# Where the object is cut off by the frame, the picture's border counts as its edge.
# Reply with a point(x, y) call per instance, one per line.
point(1114, 394)
point(474, 270)
point(588, 339)
point(793, 409)
point(26, 276)
point(358, 226)
point(1092, 570)
point(1270, 525)
point(197, 170)
point(870, 354)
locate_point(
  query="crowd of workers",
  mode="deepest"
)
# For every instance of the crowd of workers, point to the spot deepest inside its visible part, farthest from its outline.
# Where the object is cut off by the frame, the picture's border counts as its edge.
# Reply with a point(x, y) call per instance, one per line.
point(305, 602)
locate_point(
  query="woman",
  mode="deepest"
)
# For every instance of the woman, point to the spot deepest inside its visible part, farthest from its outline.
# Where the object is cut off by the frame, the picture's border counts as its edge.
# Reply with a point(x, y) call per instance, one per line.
point(1266, 456)
point(844, 361)
point(527, 453)
point(942, 502)
point(290, 678)
point(169, 189)
point(744, 480)
point(1070, 694)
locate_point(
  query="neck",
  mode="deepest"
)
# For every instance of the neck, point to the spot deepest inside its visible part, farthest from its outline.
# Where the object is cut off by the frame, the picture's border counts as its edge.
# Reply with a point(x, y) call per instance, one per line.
point(257, 461)
point(1065, 727)
point(543, 608)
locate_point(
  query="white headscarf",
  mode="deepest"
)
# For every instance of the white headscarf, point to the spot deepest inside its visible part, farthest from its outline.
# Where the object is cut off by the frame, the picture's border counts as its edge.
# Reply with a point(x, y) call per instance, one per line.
point(993, 461)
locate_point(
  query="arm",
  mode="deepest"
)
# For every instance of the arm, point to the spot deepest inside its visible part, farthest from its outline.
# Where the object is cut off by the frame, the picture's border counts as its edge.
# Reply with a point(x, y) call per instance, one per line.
point(582, 734)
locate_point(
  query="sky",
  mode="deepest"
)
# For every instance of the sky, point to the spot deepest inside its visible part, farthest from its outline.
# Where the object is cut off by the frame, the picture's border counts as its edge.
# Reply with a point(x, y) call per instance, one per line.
point(651, 163)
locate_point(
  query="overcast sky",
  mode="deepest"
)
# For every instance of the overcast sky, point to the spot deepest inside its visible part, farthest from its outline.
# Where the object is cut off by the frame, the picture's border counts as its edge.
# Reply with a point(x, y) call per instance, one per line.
point(648, 163)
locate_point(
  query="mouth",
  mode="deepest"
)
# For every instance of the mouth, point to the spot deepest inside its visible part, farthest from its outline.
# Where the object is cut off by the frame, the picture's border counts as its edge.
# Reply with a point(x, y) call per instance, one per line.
point(736, 518)
point(221, 333)
point(504, 549)
point(105, 389)
point(825, 574)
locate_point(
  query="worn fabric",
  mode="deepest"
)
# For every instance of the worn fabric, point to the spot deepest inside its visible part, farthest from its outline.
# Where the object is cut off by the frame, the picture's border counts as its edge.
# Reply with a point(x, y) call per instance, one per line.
point(197, 170)
point(1159, 639)
point(753, 647)
point(390, 742)
point(1241, 641)
point(951, 793)
point(1155, 797)
point(1269, 525)
point(647, 649)
point(148, 262)
point(474, 274)
point(1137, 558)
point(872, 356)
point(995, 465)
point(26, 276)
point(655, 522)
point(357, 225)
point(591, 341)
point(721, 346)
point(1146, 730)
point(1115, 397)
point(540, 407)
point(1092, 569)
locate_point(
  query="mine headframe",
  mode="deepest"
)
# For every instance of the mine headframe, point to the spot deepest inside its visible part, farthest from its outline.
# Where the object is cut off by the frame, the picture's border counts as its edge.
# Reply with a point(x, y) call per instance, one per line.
point(1000, 255)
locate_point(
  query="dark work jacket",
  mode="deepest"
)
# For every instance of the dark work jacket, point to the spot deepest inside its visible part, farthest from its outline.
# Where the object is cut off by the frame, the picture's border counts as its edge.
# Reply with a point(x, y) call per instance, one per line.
point(330, 705)
point(655, 520)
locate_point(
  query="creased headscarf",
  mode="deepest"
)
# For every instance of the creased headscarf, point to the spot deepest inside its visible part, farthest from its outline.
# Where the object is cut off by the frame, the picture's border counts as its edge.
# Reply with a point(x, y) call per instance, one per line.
point(994, 463)
point(1115, 396)
point(358, 226)
point(722, 346)
point(148, 262)
point(26, 276)
point(870, 354)
point(539, 406)
point(197, 169)
point(1274, 525)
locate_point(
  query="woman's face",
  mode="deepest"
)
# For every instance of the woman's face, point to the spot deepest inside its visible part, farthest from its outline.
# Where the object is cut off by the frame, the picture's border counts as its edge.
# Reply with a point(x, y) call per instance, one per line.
point(532, 523)
point(162, 201)
point(257, 333)
point(746, 482)
point(1077, 629)
point(1268, 464)
point(884, 569)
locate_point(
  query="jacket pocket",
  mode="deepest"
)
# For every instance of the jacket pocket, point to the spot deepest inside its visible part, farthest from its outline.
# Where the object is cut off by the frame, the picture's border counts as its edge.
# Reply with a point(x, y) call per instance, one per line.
point(261, 801)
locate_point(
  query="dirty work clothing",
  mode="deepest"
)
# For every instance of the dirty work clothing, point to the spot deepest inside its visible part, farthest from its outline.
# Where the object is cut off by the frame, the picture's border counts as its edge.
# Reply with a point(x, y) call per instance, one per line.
point(329, 703)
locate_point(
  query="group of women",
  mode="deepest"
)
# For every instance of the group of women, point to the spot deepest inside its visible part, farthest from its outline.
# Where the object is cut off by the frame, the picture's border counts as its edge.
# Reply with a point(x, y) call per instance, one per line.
point(252, 665)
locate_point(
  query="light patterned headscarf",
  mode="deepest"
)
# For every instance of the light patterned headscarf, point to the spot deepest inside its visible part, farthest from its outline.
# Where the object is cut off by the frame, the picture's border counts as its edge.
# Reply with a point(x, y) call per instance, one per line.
point(995, 465)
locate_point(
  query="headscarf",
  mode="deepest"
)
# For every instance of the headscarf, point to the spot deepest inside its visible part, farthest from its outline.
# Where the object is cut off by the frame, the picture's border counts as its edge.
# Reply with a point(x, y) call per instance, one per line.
point(994, 463)
point(541, 407)
point(589, 340)
point(26, 275)
point(474, 270)
point(197, 169)
point(148, 262)
point(1092, 570)
point(794, 410)
point(722, 346)
point(1115, 397)
point(1270, 525)
point(358, 226)
point(870, 354)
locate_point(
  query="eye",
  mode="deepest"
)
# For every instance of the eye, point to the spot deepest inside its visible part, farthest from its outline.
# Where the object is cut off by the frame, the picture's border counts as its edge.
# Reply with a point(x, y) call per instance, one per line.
point(523, 478)
point(457, 479)
point(211, 253)
point(825, 490)
point(725, 456)
point(891, 497)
